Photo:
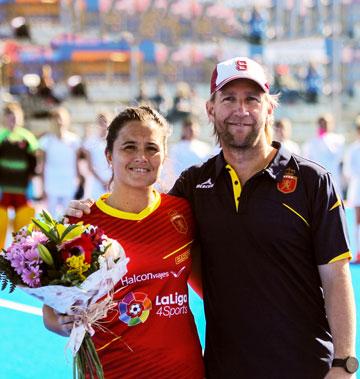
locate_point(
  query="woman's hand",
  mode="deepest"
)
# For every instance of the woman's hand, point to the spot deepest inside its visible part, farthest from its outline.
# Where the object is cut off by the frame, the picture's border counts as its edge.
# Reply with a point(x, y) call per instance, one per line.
point(58, 323)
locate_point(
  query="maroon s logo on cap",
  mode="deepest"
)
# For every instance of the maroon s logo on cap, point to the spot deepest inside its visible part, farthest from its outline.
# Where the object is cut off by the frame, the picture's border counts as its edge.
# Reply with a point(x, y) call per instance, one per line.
point(241, 65)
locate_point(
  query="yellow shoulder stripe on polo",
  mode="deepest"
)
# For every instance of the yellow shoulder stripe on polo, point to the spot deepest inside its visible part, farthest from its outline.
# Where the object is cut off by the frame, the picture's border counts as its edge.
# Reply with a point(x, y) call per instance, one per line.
point(298, 214)
point(346, 255)
point(337, 204)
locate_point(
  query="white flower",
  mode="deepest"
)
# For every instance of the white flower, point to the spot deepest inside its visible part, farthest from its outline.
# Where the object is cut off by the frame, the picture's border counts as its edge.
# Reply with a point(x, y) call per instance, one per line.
point(114, 251)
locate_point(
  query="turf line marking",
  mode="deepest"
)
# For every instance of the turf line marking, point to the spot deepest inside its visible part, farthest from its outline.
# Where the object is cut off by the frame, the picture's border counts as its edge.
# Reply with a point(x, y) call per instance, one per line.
point(20, 307)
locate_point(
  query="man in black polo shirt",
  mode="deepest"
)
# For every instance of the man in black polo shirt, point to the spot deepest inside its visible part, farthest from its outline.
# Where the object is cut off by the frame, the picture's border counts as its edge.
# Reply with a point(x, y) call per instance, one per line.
point(277, 287)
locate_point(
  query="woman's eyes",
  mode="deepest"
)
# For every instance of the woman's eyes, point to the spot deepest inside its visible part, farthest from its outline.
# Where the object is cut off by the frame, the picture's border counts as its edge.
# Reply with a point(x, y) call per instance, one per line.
point(129, 147)
point(151, 149)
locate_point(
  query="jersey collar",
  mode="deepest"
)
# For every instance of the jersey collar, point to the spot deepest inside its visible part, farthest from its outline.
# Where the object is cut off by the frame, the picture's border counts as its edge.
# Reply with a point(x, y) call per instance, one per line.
point(100, 203)
point(275, 169)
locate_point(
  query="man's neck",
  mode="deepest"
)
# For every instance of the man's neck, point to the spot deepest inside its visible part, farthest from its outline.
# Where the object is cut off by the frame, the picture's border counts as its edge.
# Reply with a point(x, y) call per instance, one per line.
point(248, 162)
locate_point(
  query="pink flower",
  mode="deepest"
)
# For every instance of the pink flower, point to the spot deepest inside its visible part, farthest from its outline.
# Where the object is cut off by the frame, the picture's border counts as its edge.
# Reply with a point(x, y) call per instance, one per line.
point(31, 276)
point(32, 256)
point(37, 237)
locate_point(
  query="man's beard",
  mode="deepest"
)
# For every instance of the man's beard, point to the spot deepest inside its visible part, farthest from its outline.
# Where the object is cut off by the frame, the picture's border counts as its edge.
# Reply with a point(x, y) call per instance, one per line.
point(227, 139)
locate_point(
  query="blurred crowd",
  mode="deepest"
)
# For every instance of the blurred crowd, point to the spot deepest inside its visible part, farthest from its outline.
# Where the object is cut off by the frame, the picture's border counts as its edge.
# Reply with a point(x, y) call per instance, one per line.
point(50, 169)
point(60, 162)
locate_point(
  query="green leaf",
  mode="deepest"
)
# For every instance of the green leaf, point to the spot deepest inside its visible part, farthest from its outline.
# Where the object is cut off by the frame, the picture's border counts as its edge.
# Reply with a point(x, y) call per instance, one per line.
point(45, 228)
point(45, 254)
point(69, 229)
point(46, 216)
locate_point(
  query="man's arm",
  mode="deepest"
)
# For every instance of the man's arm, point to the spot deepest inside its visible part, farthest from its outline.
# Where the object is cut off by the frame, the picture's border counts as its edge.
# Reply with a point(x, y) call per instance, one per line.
point(340, 311)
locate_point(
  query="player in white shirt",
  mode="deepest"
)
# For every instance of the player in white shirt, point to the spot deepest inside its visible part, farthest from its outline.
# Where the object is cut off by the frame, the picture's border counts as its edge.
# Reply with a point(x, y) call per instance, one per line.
point(282, 134)
point(327, 149)
point(352, 175)
point(94, 147)
point(60, 150)
point(184, 153)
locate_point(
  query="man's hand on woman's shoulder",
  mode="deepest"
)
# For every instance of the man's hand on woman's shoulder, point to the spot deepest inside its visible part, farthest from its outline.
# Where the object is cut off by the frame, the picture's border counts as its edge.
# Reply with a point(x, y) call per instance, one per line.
point(77, 208)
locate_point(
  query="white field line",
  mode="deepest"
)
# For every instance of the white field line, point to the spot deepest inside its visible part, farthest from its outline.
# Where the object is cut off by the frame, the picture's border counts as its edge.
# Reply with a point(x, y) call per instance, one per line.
point(20, 307)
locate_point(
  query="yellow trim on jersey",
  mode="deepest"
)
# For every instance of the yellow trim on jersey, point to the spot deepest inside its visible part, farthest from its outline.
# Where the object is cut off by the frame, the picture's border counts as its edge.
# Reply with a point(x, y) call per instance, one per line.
point(236, 187)
point(340, 257)
point(128, 215)
point(337, 204)
point(107, 344)
point(177, 250)
point(298, 214)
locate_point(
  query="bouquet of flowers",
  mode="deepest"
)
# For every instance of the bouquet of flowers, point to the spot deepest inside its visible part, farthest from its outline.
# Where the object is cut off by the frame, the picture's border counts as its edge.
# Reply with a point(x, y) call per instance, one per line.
point(69, 267)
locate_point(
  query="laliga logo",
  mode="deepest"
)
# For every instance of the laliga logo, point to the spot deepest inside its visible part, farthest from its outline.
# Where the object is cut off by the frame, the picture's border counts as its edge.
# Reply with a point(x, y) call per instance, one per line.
point(134, 308)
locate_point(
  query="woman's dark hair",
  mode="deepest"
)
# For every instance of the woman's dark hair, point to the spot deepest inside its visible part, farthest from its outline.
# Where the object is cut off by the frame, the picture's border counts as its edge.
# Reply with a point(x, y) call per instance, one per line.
point(141, 113)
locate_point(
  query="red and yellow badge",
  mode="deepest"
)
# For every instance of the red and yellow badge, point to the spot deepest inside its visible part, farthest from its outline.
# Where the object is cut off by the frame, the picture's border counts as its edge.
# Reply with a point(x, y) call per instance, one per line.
point(178, 221)
point(288, 182)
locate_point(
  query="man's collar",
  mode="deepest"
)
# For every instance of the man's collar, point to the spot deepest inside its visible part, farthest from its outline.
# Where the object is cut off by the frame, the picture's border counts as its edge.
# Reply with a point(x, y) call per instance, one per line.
point(280, 162)
point(275, 169)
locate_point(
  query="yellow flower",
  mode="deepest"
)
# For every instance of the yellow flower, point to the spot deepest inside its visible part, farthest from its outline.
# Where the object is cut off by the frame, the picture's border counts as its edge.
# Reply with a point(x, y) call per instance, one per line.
point(76, 264)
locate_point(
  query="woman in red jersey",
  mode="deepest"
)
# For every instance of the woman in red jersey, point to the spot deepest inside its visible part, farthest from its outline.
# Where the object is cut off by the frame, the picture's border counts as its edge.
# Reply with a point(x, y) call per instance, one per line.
point(152, 333)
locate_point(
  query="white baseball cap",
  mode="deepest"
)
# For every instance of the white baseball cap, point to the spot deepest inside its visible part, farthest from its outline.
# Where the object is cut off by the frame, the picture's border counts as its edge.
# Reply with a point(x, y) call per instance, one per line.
point(238, 68)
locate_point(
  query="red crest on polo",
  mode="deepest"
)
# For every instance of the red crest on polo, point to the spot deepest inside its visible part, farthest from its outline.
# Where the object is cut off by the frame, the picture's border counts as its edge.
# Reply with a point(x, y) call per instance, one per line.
point(238, 68)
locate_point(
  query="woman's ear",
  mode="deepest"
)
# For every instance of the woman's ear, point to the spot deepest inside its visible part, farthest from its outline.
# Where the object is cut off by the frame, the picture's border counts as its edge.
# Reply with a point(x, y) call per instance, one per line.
point(108, 157)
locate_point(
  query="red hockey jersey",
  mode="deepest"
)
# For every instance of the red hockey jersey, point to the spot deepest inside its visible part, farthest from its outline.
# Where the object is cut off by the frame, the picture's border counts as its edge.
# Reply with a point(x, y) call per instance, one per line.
point(151, 333)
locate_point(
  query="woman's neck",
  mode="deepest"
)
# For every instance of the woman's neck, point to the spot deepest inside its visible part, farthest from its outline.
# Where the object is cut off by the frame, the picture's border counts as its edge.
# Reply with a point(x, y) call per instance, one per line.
point(133, 201)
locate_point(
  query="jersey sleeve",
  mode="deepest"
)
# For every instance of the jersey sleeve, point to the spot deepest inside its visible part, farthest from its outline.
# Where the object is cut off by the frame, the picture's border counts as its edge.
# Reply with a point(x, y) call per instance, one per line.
point(182, 186)
point(329, 228)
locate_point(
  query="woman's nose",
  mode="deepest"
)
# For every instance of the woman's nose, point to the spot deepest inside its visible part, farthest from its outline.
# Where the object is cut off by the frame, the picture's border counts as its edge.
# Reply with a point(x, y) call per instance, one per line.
point(140, 155)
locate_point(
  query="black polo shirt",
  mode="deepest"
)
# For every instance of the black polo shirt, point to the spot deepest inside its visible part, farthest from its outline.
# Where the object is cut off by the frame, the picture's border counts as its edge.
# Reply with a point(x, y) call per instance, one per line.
point(263, 299)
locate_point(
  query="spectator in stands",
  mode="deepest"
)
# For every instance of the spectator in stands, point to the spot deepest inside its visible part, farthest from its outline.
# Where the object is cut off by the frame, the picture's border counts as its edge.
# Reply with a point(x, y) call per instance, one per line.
point(159, 100)
point(94, 147)
point(18, 149)
point(61, 155)
point(327, 148)
point(142, 98)
point(282, 134)
point(77, 87)
point(285, 83)
point(257, 27)
point(45, 89)
point(352, 174)
point(313, 84)
point(181, 103)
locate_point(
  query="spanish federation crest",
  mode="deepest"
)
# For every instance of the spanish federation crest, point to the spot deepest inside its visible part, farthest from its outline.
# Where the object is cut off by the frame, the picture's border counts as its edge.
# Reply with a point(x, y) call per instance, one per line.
point(288, 182)
point(178, 221)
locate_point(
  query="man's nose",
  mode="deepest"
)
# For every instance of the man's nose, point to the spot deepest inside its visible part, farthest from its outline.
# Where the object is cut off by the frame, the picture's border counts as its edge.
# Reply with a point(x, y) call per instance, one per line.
point(241, 108)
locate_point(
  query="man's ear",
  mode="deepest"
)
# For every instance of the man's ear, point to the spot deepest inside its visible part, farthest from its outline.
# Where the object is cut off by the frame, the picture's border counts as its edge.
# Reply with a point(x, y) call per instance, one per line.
point(210, 110)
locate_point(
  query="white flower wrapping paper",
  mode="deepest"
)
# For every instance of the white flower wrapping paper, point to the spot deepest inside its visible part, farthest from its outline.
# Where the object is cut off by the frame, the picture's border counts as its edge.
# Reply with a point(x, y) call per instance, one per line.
point(82, 300)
